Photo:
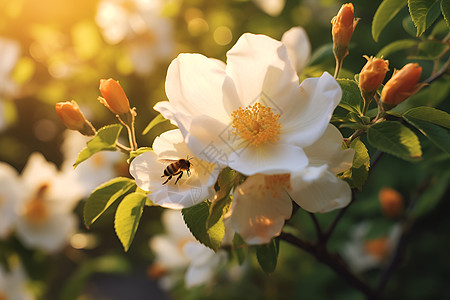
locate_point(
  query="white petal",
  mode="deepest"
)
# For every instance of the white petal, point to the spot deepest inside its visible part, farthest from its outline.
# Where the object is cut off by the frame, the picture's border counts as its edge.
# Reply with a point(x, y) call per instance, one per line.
point(257, 214)
point(316, 189)
point(170, 144)
point(260, 69)
point(268, 159)
point(271, 7)
point(194, 86)
point(168, 252)
point(307, 120)
point(298, 47)
point(327, 150)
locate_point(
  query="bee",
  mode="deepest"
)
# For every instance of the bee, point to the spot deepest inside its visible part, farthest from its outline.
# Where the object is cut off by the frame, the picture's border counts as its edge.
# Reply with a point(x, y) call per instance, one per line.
point(176, 168)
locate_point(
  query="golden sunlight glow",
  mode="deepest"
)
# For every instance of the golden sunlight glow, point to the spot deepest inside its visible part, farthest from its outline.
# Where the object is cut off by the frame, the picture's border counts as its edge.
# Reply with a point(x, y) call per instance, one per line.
point(223, 35)
point(256, 124)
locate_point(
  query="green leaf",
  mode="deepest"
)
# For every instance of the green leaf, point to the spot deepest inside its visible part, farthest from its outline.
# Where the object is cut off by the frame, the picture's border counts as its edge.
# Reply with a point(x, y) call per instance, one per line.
point(431, 197)
point(387, 10)
point(196, 217)
point(429, 114)
point(396, 139)
point(351, 96)
point(427, 120)
point(430, 50)
point(104, 196)
point(267, 255)
point(104, 140)
point(396, 46)
point(445, 8)
point(356, 176)
point(239, 248)
point(136, 153)
point(439, 30)
point(419, 11)
point(222, 200)
point(127, 218)
point(157, 120)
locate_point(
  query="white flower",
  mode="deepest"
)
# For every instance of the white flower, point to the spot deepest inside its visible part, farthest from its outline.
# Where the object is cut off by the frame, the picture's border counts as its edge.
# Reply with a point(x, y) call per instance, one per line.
point(178, 250)
point(262, 203)
point(10, 194)
point(362, 254)
point(148, 171)
point(9, 54)
point(138, 24)
point(299, 49)
point(251, 115)
point(99, 168)
point(46, 220)
point(271, 7)
point(13, 284)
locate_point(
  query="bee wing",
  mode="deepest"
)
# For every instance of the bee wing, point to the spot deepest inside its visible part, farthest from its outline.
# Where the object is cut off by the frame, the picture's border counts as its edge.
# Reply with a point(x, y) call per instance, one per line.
point(167, 161)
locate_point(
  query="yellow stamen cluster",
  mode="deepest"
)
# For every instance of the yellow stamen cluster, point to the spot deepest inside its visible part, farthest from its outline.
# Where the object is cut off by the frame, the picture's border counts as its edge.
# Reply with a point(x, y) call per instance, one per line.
point(36, 211)
point(256, 124)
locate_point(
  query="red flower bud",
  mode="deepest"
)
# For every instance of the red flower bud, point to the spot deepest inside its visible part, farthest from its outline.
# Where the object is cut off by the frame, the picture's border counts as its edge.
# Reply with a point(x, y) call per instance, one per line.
point(114, 97)
point(372, 74)
point(391, 203)
point(343, 26)
point(402, 85)
point(71, 115)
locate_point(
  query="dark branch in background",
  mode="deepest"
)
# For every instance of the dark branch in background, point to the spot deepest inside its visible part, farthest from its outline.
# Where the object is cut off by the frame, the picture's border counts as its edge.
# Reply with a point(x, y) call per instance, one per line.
point(445, 69)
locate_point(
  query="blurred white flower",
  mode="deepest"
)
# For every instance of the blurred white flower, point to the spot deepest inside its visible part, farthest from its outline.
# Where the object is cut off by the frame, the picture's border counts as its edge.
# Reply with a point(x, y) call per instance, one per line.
point(271, 7)
point(251, 115)
point(98, 169)
point(363, 254)
point(140, 27)
point(262, 203)
point(46, 219)
point(10, 194)
point(148, 170)
point(298, 46)
point(13, 284)
point(178, 250)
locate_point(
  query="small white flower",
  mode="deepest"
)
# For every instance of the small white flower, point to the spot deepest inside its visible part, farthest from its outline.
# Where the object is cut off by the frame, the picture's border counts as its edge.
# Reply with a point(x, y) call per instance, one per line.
point(178, 250)
point(262, 203)
point(148, 171)
point(271, 7)
point(251, 115)
point(10, 194)
point(46, 219)
point(13, 284)
point(98, 169)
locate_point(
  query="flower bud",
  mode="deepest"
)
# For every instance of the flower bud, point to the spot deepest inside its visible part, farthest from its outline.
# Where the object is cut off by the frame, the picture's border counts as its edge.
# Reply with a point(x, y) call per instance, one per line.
point(372, 74)
point(71, 115)
point(391, 203)
point(343, 26)
point(377, 248)
point(114, 97)
point(402, 85)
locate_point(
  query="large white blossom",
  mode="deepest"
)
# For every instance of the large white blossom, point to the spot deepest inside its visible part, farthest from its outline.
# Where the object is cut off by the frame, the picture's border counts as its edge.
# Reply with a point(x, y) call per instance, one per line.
point(138, 24)
point(148, 170)
point(46, 219)
point(178, 250)
point(10, 194)
point(13, 283)
point(263, 202)
point(252, 114)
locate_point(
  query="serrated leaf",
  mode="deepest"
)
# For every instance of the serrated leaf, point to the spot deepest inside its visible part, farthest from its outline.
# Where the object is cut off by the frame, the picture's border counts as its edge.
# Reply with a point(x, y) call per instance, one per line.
point(136, 153)
point(420, 14)
point(356, 176)
point(157, 120)
point(267, 255)
point(425, 120)
point(396, 46)
point(387, 10)
point(104, 196)
point(104, 140)
point(196, 217)
point(238, 247)
point(127, 218)
point(445, 9)
point(351, 96)
point(396, 139)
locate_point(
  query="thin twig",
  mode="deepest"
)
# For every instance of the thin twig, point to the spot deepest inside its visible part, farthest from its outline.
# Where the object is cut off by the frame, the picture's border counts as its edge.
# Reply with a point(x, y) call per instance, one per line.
point(319, 232)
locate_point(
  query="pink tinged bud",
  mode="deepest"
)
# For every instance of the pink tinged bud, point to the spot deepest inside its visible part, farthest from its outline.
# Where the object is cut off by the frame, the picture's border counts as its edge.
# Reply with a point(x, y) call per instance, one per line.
point(114, 97)
point(343, 25)
point(403, 84)
point(72, 117)
point(372, 74)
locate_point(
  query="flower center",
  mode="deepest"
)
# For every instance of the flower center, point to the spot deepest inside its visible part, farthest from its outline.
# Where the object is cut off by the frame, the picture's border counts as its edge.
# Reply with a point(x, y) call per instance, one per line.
point(36, 211)
point(256, 124)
